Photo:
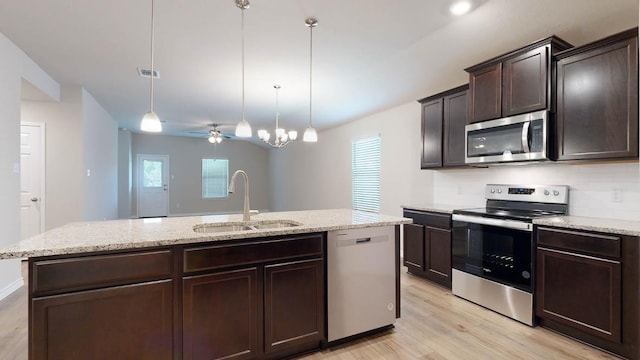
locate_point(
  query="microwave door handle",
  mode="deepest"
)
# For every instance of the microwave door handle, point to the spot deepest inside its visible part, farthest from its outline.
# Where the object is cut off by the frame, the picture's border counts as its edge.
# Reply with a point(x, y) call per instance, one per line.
point(525, 136)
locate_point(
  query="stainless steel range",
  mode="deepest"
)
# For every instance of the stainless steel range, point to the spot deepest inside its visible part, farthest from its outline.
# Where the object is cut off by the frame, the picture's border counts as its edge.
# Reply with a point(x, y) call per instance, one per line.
point(493, 247)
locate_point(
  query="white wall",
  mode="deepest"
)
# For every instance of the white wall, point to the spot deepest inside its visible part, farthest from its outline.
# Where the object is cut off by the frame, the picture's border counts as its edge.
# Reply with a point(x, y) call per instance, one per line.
point(591, 186)
point(124, 174)
point(308, 176)
point(318, 176)
point(14, 66)
point(100, 185)
point(185, 159)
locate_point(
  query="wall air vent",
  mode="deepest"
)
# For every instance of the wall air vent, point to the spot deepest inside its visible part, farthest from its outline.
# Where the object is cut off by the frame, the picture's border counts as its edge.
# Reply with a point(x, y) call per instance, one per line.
point(147, 73)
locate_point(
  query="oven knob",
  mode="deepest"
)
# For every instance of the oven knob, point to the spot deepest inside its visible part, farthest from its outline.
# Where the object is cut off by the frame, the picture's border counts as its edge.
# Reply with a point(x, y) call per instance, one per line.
point(493, 191)
point(546, 192)
point(556, 192)
point(499, 191)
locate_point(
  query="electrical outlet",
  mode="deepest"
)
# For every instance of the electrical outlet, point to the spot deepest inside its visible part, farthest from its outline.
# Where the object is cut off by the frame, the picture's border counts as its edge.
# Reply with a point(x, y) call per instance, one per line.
point(616, 195)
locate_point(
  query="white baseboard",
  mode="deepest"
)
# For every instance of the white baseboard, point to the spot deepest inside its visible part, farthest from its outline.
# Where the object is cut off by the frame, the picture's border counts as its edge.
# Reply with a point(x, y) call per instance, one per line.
point(7, 290)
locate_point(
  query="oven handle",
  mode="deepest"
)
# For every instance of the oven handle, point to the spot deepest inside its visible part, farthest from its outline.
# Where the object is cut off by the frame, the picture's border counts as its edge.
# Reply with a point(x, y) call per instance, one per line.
point(510, 224)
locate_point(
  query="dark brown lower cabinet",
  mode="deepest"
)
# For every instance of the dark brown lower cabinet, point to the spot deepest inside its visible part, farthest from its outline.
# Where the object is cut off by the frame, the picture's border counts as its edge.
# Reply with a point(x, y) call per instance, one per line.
point(293, 307)
point(220, 318)
point(580, 291)
point(587, 287)
point(260, 298)
point(427, 246)
point(414, 247)
point(122, 322)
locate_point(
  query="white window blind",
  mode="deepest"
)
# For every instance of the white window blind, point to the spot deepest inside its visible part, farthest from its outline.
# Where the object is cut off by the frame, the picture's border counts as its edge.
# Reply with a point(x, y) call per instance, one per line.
point(215, 177)
point(365, 174)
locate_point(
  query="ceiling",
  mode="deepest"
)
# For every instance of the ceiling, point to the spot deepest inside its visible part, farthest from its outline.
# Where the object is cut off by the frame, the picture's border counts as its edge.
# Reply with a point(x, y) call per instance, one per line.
point(368, 55)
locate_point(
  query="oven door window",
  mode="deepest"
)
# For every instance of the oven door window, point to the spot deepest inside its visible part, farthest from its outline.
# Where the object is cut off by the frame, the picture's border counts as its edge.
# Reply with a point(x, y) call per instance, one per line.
point(499, 254)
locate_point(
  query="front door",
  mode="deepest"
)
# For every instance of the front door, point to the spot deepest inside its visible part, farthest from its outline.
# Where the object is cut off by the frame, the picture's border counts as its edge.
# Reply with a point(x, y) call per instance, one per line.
point(153, 188)
point(31, 179)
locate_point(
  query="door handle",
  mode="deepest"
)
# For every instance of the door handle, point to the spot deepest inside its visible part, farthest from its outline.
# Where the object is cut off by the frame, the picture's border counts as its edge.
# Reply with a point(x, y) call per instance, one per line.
point(34, 199)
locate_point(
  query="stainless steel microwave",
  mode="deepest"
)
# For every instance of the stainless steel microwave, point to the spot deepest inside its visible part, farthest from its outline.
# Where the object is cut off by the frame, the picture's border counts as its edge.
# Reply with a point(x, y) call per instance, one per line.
point(513, 139)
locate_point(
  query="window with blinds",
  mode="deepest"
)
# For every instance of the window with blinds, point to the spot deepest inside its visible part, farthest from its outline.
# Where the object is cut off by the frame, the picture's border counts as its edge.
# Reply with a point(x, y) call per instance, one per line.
point(365, 174)
point(215, 178)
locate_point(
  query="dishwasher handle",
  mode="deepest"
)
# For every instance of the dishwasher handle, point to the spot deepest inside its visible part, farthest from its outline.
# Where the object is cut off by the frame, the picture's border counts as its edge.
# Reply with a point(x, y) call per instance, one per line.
point(363, 240)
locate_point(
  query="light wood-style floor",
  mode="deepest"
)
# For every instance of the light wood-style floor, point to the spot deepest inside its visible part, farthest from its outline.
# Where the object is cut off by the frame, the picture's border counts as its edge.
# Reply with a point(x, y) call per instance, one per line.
point(435, 325)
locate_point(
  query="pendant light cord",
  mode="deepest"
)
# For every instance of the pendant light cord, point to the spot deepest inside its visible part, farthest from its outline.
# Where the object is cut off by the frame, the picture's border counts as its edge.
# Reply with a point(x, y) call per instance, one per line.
point(310, 73)
point(151, 82)
point(242, 35)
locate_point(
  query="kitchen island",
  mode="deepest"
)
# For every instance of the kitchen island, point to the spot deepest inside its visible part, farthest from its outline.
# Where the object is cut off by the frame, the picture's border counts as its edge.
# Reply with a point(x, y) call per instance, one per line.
point(158, 289)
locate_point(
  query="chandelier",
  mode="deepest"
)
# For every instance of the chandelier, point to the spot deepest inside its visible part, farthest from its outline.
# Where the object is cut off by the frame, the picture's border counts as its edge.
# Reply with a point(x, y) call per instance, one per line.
point(281, 137)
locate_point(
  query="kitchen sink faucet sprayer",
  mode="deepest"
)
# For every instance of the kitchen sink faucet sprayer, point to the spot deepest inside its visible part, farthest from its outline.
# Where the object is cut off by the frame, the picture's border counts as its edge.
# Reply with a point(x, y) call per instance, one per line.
point(246, 214)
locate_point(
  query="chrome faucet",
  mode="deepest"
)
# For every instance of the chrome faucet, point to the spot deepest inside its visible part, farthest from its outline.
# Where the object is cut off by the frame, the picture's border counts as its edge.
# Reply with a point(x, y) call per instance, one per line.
point(246, 215)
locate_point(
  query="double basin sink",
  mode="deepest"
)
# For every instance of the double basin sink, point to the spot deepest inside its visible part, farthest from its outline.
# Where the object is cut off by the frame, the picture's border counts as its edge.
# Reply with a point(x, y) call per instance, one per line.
point(234, 226)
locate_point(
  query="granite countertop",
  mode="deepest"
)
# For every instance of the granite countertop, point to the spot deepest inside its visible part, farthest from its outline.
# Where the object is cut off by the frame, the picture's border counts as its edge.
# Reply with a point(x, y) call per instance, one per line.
point(439, 208)
point(81, 237)
point(613, 226)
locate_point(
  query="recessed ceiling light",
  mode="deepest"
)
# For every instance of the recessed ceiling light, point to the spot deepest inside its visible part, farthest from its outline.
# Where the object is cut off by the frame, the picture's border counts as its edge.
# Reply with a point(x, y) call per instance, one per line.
point(460, 7)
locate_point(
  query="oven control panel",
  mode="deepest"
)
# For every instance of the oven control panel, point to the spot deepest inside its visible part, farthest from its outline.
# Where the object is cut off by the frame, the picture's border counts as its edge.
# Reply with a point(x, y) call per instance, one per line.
point(556, 194)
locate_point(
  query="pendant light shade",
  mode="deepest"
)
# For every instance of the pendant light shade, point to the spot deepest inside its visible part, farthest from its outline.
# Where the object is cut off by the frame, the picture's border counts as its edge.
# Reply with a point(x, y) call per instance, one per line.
point(150, 122)
point(243, 129)
point(310, 134)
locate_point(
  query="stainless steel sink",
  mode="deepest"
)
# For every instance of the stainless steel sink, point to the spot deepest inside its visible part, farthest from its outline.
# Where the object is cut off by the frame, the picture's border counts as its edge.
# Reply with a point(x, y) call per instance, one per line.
point(244, 226)
point(219, 227)
point(275, 224)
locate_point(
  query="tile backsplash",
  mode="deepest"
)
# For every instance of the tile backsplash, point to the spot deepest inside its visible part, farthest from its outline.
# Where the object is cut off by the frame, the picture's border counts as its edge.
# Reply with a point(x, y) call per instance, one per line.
point(596, 190)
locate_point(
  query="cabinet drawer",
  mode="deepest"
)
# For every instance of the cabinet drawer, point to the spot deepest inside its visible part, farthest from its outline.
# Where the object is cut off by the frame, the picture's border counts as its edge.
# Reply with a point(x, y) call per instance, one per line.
point(586, 243)
point(220, 256)
point(442, 221)
point(90, 272)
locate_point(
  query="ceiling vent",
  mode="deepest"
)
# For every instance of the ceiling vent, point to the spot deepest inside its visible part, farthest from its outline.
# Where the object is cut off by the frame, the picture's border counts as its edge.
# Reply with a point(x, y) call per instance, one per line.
point(147, 73)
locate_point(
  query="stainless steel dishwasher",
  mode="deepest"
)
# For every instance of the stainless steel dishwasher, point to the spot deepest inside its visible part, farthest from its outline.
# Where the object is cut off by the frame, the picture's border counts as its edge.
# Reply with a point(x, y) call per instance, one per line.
point(361, 280)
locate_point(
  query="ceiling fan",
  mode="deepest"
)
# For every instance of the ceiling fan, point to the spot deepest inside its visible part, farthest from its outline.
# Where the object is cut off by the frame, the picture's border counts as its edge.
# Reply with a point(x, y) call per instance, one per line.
point(214, 135)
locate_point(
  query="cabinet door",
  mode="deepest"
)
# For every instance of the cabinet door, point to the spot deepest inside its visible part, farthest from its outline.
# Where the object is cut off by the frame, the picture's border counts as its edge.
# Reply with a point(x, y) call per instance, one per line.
point(437, 254)
point(432, 134)
point(597, 106)
point(293, 307)
point(220, 319)
point(455, 118)
point(579, 291)
point(526, 82)
point(104, 324)
point(485, 91)
point(413, 247)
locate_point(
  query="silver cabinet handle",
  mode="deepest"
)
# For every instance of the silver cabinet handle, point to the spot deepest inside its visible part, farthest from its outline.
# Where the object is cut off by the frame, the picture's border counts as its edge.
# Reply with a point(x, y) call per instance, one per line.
point(34, 199)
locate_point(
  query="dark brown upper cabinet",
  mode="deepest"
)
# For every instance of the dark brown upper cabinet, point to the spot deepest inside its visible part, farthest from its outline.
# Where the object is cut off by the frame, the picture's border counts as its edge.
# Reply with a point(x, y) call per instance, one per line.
point(444, 116)
point(514, 83)
point(597, 99)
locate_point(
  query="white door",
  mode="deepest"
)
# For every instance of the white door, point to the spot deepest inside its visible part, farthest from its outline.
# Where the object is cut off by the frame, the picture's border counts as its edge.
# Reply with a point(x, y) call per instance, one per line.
point(153, 188)
point(31, 179)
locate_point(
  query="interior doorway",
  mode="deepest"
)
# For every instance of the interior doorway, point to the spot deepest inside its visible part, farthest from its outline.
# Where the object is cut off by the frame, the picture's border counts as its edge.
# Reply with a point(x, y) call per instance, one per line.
point(32, 179)
point(152, 185)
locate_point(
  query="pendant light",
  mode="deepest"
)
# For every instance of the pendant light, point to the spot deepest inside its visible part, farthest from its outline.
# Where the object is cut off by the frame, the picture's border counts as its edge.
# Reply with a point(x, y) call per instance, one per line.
point(310, 134)
point(281, 137)
point(150, 121)
point(243, 129)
